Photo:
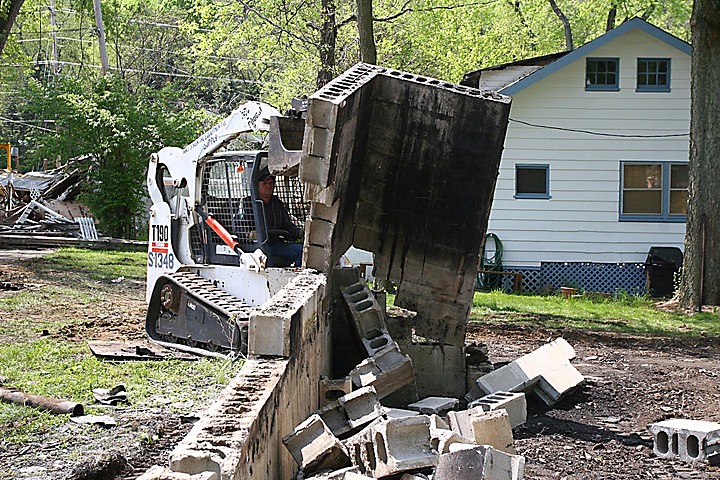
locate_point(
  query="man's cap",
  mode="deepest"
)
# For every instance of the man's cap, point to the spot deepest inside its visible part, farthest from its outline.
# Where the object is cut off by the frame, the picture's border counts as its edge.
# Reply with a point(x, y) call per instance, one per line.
point(264, 173)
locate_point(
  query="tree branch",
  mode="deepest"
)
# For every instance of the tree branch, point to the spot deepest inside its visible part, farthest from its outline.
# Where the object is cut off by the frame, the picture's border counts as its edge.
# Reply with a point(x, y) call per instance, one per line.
point(406, 9)
point(566, 25)
point(276, 25)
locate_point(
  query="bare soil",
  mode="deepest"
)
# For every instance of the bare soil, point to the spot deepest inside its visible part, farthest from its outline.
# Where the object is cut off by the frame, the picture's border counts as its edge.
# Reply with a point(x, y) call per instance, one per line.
point(598, 432)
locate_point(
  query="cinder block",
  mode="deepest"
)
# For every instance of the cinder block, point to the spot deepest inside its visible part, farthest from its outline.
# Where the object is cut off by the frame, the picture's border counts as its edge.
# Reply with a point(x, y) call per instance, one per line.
point(320, 232)
point(161, 473)
point(514, 403)
point(555, 383)
point(348, 473)
point(480, 463)
point(508, 378)
point(332, 389)
point(194, 462)
point(269, 327)
point(390, 447)
point(546, 370)
point(442, 440)
point(398, 413)
point(687, 440)
point(435, 405)
point(388, 370)
point(485, 428)
point(368, 317)
point(314, 447)
point(350, 411)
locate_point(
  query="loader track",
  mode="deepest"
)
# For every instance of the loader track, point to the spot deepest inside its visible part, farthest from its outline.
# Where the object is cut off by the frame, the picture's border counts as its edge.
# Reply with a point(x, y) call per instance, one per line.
point(181, 293)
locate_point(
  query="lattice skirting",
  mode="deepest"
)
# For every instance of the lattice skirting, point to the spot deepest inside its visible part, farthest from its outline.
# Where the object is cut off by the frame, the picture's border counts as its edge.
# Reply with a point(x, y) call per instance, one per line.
point(586, 276)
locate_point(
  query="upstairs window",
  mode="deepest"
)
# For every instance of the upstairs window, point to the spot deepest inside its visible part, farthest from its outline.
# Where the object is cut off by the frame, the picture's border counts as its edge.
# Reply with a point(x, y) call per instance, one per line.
point(532, 181)
point(654, 191)
point(653, 75)
point(602, 74)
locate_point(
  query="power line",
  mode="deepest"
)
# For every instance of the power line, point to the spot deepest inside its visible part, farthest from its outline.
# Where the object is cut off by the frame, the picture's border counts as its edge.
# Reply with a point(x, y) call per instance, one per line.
point(9, 120)
point(164, 74)
point(601, 134)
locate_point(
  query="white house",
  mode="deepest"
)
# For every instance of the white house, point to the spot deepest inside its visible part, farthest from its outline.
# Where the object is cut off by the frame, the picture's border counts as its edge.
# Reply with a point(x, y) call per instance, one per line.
point(594, 170)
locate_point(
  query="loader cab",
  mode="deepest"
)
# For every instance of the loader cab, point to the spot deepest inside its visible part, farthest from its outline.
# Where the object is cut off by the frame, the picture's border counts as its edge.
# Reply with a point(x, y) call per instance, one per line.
point(229, 192)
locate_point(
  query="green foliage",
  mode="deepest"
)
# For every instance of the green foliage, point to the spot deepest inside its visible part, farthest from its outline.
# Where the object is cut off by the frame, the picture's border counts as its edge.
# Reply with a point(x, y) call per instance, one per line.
point(120, 128)
point(624, 313)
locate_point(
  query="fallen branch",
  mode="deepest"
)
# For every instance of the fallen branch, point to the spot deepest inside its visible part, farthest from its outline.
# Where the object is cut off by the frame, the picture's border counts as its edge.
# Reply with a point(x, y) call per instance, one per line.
point(53, 405)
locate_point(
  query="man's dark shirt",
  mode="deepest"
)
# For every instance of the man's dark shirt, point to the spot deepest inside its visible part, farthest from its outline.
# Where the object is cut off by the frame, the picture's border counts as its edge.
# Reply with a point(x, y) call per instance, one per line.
point(276, 218)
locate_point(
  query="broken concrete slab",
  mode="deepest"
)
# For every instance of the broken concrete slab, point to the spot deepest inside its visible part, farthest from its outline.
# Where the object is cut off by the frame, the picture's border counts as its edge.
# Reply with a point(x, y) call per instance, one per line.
point(387, 371)
point(512, 402)
point(435, 405)
point(687, 440)
point(484, 428)
point(314, 447)
point(479, 463)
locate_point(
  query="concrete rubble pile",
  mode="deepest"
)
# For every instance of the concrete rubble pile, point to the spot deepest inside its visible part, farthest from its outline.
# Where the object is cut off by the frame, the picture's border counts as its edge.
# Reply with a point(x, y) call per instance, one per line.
point(357, 436)
point(403, 166)
point(43, 203)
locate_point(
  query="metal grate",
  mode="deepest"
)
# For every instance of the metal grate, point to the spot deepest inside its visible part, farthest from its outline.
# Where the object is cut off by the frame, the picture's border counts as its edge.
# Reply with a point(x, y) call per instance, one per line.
point(586, 276)
point(227, 197)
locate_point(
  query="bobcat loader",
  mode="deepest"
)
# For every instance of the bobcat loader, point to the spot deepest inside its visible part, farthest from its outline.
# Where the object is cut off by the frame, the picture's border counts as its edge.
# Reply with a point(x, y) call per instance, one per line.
point(206, 269)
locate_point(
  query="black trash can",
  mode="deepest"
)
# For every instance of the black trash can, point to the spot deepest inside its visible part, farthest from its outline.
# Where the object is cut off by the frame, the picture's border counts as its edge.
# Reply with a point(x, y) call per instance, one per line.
point(661, 265)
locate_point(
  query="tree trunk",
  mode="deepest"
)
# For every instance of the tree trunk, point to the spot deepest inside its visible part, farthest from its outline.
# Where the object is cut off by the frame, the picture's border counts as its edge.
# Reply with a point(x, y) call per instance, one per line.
point(612, 13)
point(328, 39)
point(9, 10)
point(368, 53)
point(566, 26)
point(701, 265)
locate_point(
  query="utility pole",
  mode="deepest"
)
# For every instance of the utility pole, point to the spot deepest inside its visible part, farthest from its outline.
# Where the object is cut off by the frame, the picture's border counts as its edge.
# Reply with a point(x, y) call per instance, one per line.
point(53, 33)
point(101, 36)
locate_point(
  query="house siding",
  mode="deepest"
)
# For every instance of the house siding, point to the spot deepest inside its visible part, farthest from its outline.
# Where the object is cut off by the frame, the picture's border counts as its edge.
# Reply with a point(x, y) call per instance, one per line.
point(580, 220)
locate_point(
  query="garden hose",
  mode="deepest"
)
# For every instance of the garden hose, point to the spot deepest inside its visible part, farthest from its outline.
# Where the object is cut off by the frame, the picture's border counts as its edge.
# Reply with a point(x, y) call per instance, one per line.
point(486, 281)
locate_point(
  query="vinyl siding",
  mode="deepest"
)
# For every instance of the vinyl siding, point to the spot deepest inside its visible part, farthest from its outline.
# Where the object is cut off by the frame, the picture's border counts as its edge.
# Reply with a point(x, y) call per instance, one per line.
point(579, 223)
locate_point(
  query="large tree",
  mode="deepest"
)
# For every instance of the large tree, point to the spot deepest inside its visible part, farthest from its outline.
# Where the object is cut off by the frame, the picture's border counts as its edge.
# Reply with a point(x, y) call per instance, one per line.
point(9, 10)
point(701, 270)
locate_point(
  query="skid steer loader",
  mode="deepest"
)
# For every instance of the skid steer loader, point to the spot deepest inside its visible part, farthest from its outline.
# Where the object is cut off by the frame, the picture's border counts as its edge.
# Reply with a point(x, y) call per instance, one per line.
point(207, 265)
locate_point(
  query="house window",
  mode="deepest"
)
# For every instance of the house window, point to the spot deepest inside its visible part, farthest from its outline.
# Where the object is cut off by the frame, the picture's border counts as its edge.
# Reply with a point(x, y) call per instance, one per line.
point(654, 191)
point(532, 181)
point(602, 74)
point(653, 75)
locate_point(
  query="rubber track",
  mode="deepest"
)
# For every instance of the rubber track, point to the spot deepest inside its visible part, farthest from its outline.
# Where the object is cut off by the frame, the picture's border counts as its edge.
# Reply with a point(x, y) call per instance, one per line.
point(206, 292)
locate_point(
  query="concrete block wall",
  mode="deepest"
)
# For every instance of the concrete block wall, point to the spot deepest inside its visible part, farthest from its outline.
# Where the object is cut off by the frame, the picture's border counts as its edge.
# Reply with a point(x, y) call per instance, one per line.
point(240, 435)
point(406, 166)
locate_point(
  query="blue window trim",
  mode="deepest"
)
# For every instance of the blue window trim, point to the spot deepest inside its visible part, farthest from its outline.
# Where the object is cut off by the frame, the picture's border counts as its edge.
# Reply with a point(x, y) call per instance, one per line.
point(653, 88)
point(604, 87)
point(534, 166)
point(664, 217)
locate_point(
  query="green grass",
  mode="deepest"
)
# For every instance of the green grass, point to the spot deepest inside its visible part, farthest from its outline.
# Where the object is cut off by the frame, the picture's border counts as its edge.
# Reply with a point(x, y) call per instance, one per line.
point(623, 314)
point(78, 281)
point(95, 264)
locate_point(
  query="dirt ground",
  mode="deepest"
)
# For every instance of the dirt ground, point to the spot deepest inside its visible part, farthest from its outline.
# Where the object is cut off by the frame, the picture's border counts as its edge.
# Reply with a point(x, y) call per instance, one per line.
point(599, 432)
